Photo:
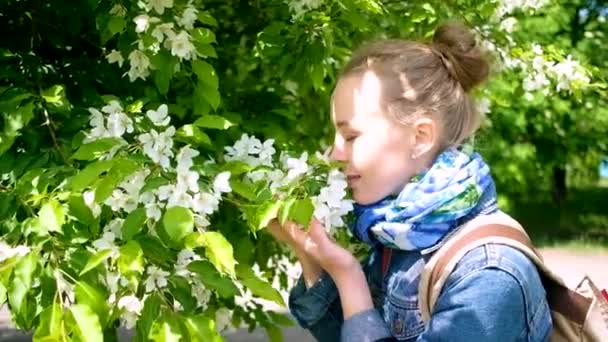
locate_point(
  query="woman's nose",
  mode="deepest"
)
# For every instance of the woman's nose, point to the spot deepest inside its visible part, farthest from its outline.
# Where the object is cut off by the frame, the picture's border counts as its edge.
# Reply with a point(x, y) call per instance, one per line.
point(337, 154)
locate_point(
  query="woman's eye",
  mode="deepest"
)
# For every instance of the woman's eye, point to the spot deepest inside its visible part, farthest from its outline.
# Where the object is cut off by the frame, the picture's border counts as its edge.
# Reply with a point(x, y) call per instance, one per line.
point(350, 138)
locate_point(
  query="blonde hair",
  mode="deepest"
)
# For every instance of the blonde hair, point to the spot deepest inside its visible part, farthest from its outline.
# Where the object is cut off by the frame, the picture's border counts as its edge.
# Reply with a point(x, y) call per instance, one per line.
point(431, 79)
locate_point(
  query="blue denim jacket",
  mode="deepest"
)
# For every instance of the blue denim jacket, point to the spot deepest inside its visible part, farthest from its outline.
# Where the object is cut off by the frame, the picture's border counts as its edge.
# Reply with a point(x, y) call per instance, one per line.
point(494, 294)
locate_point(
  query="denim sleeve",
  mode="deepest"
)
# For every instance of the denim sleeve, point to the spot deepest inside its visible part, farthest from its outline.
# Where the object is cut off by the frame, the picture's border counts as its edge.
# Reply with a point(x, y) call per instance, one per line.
point(484, 305)
point(317, 308)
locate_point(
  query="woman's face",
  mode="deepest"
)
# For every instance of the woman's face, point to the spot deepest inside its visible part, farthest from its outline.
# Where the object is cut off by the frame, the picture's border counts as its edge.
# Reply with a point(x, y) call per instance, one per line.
point(376, 150)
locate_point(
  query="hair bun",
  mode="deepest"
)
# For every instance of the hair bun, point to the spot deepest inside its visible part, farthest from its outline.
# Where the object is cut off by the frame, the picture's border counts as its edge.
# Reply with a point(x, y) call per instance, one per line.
point(455, 44)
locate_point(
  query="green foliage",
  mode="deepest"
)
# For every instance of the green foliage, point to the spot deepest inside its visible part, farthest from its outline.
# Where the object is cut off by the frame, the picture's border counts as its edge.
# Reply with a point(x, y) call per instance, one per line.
point(269, 73)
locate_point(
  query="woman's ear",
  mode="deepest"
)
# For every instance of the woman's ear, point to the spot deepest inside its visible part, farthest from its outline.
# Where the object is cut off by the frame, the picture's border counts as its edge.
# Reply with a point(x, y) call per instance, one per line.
point(425, 136)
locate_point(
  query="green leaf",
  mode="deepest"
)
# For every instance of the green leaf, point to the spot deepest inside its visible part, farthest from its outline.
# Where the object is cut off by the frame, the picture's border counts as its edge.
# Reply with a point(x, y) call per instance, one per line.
point(206, 18)
point(202, 329)
point(203, 36)
point(194, 135)
point(245, 190)
point(258, 286)
point(95, 260)
point(49, 326)
point(165, 329)
point(20, 285)
point(164, 64)
point(15, 119)
point(213, 121)
point(52, 216)
point(281, 319)
point(181, 290)
point(89, 174)
point(133, 223)
point(131, 259)
point(178, 222)
point(274, 333)
point(79, 210)
point(148, 316)
point(155, 251)
point(267, 212)
point(301, 211)
point(285, 208)
point(206, 50)
point(56, 99)
point(116, 25)
point(85, 323)
point(217, 249)
point(205, 73)
point(122, 168)
point(93, 298)
point(154, 183)
point(236, 167)
point(97, 148)
point(211, 95)
point(212, 279)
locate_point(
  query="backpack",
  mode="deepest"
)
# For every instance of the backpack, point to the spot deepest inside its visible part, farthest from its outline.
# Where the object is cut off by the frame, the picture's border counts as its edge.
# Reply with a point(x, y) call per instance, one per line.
point(579, 314)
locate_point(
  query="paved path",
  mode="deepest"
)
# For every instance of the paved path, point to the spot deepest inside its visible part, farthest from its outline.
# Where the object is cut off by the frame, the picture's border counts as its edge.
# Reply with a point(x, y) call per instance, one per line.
point(571, 265)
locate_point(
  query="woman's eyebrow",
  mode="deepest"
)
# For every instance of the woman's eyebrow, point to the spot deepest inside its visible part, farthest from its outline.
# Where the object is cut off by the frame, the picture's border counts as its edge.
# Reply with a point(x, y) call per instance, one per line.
point(342, 124)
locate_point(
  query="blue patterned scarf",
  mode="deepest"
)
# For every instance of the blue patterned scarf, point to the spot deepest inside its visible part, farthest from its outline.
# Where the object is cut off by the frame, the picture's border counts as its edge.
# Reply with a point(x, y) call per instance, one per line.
point(456, 188)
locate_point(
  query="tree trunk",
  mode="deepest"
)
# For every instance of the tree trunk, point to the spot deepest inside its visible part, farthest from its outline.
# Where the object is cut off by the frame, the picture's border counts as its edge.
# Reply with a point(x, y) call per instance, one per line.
point(559, 185)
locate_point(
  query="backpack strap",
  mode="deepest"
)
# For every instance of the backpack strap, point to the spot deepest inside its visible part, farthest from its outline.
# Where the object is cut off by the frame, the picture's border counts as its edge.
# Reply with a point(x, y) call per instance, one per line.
point(567, 302)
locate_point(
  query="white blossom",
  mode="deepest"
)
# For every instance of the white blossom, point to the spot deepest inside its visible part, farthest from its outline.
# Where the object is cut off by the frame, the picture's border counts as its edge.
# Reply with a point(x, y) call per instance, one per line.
point(89, 201)
point(113, 107)
point(106, 242)
point(153, 208)
point(201, 294)
point(118, 10)
point(140, 64)
point(182, 47)
point(159, 117)
point(245, 149)
point(188, 18)
point(115, 227)
point(158, 146)
point(185, 257)
point(142, 22)
point(297, 166)
point(299, 7)
point(159, 5)
point(121, 200)
point(204, 203)
point(179, 199)
point(64, 288)
point(115, 57)
point(223, 319)
point(96, 121)
point(221, 183)
point(508, 24)
point(7, 252)
point(266, 152)
point(483, 106)
point(131, 306)
point(330, 205)
point(163, 30)
point(184, 158)
point(201, 222)
point(187, 181)
point(118, 124)
point(157, 278)
point(567, 72)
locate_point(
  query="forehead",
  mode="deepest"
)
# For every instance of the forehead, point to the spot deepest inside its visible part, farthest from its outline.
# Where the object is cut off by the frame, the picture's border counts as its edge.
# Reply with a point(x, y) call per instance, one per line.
point(357, 99)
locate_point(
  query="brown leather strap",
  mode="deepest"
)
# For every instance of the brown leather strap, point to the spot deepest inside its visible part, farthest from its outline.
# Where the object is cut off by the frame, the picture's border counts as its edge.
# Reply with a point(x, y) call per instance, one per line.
point(570, 304)
point(387, 253)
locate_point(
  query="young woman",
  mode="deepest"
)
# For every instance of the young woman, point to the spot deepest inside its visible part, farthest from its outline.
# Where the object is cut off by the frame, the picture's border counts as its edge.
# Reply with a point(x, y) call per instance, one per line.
point(402, 110)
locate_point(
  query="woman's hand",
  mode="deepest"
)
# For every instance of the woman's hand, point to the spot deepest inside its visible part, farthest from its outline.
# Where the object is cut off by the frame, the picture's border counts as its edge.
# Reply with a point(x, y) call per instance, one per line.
point(316, 248)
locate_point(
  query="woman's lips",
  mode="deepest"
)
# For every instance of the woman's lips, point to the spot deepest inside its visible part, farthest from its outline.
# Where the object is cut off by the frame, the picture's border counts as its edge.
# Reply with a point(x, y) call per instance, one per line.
point(352, 179)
